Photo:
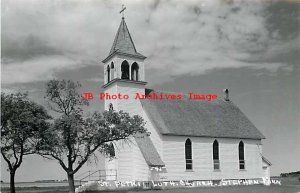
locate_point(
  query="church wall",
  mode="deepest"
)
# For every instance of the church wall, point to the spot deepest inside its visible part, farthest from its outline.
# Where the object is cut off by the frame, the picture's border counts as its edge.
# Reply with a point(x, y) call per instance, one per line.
point(131, 163)
point(266, 169)
point(131, 105)
point(124, 155)
point(140, 169)
point(202, 153)
point(112, 89)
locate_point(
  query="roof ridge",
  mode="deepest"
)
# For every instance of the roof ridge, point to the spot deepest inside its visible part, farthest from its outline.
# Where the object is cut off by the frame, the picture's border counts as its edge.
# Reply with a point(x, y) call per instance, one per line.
point(171, 92)
point(129, 35)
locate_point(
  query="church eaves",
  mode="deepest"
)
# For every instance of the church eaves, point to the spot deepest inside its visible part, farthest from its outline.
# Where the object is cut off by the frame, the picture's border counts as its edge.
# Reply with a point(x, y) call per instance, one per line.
point(123, 43)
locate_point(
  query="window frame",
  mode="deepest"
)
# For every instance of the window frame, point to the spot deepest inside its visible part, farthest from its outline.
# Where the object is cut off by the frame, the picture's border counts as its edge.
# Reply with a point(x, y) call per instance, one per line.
point(188, 150)
point(216, 155)
point(241, 154)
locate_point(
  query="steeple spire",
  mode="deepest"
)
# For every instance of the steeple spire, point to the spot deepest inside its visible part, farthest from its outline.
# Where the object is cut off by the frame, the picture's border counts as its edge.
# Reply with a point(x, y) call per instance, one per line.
point(123, 43)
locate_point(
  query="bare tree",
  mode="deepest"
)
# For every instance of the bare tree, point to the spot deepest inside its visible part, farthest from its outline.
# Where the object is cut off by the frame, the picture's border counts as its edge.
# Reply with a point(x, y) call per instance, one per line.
point(73, 139)
point(21, 122)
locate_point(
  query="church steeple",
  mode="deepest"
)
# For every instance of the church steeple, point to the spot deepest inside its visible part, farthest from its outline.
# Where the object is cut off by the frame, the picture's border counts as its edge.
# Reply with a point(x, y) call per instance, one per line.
point(123, 63)
point(124, 72)
point(123, 44)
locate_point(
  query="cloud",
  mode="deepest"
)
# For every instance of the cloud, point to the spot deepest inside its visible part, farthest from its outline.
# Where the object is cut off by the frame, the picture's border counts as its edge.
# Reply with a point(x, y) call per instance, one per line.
point(223, 35)
point(36, 69)
point(190, 37)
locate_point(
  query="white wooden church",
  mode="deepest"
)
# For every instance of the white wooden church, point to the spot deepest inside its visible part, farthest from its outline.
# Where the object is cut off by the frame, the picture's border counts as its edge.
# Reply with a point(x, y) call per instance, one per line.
point(189, 140)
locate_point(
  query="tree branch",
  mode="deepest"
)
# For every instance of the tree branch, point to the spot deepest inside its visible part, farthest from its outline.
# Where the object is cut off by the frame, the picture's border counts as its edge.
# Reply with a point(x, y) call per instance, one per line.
point(7, 160)
point(15, 156)
point(17, 165)
point(86, 157)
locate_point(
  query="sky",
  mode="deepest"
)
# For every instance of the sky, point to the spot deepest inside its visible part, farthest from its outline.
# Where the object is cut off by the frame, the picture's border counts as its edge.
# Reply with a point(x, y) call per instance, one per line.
point(250, 47)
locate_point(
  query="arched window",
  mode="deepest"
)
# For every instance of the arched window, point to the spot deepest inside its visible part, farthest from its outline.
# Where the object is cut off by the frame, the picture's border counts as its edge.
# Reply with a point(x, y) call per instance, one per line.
point(125, 70)
point(216, 155)
point(112, 150)
point(108, 74)
point(241, 155)
point(135, 71)
point(188, 155)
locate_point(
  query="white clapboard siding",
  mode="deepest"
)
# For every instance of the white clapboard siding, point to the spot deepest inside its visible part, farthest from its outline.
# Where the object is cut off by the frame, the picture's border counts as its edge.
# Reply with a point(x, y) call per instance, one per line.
point(202, 151)
point(134, 107)
point(131, 163)
point(124, 158)
point(266, 169)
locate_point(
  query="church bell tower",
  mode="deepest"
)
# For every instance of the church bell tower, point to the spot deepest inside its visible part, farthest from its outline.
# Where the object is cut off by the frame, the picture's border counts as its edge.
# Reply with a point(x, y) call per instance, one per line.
point(124, 72)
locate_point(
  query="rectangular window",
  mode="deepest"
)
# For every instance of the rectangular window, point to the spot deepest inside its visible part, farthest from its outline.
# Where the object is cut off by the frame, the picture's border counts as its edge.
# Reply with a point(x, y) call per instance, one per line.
point(216, 164)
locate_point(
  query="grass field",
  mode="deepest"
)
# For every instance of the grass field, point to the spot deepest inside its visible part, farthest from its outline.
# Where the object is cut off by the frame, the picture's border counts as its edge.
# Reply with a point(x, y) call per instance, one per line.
point(232, 189)
point(60, 189)
point(289, 185)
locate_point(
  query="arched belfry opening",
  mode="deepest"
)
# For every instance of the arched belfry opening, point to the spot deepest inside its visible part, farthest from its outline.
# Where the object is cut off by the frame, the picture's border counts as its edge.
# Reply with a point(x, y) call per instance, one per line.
point(135, 71)
point(108, 74)
point(125, 70)
point(112, 67)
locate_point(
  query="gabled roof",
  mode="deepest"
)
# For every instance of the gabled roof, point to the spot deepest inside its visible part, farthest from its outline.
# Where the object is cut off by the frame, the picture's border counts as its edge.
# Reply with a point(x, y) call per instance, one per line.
point(218, 118)
point(123, 43)
point(149, 151)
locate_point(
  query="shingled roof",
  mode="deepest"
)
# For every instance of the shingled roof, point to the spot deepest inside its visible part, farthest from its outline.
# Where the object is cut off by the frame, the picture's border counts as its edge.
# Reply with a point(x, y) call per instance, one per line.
point(218, 118)
point(149, 151)
point(123, 43)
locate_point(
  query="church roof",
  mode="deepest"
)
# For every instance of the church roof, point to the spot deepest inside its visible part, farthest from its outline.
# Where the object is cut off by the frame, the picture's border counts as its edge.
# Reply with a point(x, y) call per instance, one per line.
point(123, 43)
point(149, 151)
point(218, 118)
point(266, 161)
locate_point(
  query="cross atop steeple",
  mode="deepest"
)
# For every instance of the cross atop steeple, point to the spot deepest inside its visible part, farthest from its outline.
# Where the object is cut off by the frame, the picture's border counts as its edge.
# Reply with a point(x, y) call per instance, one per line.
point(123, 10)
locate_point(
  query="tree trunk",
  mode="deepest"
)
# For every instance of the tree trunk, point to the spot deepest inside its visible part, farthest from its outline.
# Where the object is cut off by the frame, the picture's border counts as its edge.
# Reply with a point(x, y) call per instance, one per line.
point(71, 183)
point(12, 182)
